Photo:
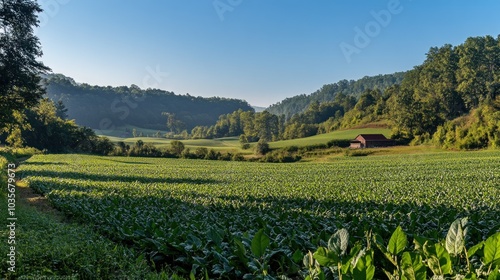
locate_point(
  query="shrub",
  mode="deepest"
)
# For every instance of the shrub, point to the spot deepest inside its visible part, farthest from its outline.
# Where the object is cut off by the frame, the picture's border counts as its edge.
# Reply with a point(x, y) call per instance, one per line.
point(144, 150)
point(177, 147)
point(201, 152)
point(212, 155)
point(238, 157)
point(341, 143)
point(282, 156)
point(262, 147)
point(186, 153)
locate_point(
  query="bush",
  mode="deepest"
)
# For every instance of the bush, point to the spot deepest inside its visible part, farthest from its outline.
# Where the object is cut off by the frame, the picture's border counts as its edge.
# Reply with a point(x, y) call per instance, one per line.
point(226, 156)
point(103, 146)
point(281, 156)
point(201, 152)
point(186, 153)
point(144, 150)
point(291, 149)
point(177, 147)
point(212, 155)
point(262, 147)
point(341, 143)
point(238, 157)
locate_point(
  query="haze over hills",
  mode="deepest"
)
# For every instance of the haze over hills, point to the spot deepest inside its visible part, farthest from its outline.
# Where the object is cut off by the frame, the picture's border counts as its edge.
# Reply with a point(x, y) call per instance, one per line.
point(101, 107)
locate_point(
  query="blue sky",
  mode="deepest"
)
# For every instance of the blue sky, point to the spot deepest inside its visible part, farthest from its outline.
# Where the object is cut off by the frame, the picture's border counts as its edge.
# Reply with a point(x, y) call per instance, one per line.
point(258, 50)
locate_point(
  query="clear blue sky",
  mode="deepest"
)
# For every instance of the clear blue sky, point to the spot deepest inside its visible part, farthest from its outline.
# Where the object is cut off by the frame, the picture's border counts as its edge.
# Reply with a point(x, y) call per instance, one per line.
point(258, 50)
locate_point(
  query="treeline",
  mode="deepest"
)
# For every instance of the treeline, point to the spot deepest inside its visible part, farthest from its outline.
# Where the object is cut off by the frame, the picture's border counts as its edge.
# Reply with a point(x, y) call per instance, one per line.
point(444, 100)
point(107, 107)
point(46, 128)
point(298, 104)
point(255, 126)
point(452, 100)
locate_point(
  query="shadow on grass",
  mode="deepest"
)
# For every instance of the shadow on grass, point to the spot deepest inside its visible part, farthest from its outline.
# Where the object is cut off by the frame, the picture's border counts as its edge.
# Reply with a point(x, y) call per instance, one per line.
point(125, 162)
point(120, 178)
point(41, 163)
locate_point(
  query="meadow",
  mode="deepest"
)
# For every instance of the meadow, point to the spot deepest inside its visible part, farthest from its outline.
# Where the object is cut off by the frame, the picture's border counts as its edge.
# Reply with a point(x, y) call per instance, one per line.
point(202, 217)
point(231, 144)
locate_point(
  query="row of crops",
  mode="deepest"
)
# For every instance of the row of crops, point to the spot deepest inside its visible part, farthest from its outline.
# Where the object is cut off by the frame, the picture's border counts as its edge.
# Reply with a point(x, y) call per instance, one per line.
point(206, 218)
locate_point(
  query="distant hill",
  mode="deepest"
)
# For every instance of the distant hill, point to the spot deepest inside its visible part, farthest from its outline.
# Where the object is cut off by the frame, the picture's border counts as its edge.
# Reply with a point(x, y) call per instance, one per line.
point(299, 103)
point(107, 107)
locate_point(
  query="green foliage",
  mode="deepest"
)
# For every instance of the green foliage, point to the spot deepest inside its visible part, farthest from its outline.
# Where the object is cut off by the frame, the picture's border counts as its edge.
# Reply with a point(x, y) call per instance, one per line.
point(49, 249)
point(44, 130)
point(262, 147)
point(329, 92)
point(177, 147)
point(20, 86)
point(282, 156)
point(202, 216)
point(479, 129)
point(124, 105)
point(244, 142)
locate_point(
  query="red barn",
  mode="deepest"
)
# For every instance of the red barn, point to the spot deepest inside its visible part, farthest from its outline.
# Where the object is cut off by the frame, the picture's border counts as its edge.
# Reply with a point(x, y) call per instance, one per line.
point(371, 141)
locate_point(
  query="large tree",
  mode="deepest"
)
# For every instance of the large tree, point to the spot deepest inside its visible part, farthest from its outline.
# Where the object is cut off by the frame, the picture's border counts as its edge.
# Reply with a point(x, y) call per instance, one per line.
point(19, 49)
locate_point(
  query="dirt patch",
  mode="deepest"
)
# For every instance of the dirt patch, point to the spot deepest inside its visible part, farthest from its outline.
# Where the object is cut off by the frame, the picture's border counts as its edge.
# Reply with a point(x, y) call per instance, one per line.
point(27, 196)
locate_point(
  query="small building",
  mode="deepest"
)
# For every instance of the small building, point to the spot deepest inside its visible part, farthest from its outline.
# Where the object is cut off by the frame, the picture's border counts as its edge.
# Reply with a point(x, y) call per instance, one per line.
point(371, 141)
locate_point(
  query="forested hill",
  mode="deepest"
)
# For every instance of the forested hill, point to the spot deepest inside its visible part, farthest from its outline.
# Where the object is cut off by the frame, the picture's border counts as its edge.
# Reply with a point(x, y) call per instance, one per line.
point(298, 104)
point(104, 107)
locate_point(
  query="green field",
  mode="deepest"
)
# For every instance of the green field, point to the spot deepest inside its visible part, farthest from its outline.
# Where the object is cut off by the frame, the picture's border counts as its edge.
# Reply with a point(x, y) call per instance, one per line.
point(200, 216)
point(324, 138)
point(231, 144)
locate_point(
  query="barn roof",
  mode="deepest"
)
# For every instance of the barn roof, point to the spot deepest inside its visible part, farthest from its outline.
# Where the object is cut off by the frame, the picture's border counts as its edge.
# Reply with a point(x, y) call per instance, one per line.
point(373, 137)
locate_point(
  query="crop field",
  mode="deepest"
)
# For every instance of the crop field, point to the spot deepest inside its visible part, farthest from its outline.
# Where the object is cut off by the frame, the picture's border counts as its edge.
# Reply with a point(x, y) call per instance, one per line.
point(232, 143)
point(201, 217)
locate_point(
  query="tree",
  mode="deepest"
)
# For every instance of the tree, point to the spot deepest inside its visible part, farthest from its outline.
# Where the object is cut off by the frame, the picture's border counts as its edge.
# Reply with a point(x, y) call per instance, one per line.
point(173, 124)
point(61, 110)
point(244, 142)
point(262, 147)
point(177, 147)
point(19, 48)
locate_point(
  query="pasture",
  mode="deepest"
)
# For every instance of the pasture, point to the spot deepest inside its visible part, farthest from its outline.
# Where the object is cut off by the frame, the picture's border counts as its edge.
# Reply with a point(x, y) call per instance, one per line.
point(231, 144)
point(200, 216)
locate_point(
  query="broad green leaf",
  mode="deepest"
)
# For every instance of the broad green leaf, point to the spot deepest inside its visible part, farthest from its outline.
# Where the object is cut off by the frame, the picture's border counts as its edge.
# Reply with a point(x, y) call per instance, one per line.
point(455, 239)
point(412, 267)
point(494, 275)
point(364, 269)
point(438, 259)
point(339, 241)
point(259, 243)
point(419, 242)
point(470, 276)
point(398, 242)
point(472, 250)
point(325, 257)
point(379, 243)
point(297, 256)
point(492, 249)
point(347, 263)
